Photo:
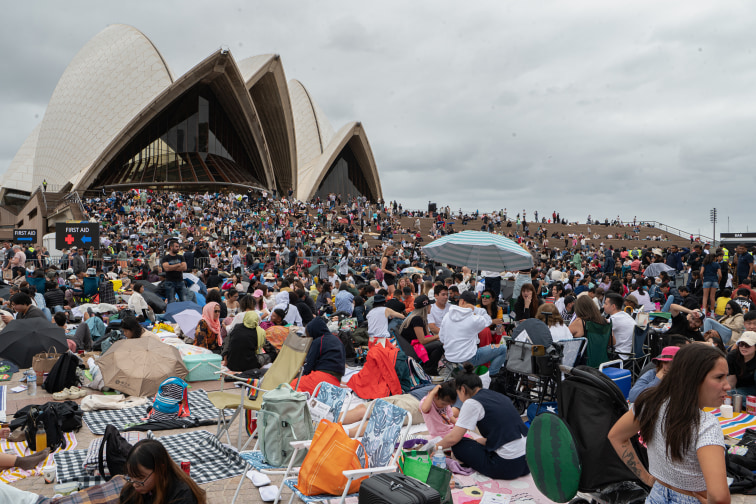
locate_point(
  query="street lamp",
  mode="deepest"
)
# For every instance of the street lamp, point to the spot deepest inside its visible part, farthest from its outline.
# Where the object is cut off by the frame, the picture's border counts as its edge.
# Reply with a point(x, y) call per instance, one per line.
point(713, 219)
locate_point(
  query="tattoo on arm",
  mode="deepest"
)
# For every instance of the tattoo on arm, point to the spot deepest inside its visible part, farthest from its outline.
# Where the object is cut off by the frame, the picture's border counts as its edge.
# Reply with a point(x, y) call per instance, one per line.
point(630, 458)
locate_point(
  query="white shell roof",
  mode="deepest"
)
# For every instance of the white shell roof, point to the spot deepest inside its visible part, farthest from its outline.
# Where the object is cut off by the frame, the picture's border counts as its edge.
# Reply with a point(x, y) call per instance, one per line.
point(312, 130)
point(250, 66)
point(111, 79)
point(20, 171)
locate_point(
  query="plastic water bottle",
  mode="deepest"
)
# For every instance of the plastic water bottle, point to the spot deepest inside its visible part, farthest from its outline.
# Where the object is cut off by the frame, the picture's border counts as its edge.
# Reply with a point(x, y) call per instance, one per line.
point(31, 385)
point(439, 458)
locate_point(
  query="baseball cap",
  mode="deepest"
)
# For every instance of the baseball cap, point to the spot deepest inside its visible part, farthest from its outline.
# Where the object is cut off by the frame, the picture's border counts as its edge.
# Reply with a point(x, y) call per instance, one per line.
point(258, 293)
point(668, 353)
point(468, 297)
point(422, 300)
point(748, 337)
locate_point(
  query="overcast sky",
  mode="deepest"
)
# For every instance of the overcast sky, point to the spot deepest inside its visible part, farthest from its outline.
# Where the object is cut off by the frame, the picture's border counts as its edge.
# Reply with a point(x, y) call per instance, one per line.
point(640, 108)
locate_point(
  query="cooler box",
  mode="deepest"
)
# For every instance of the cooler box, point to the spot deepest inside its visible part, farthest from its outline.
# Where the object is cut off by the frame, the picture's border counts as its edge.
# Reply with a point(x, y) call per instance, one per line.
point(202, 367)
point(622, 377)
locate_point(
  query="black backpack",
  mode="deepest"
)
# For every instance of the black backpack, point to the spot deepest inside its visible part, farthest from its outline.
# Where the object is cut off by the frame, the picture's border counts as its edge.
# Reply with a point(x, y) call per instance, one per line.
point(63, 373)
point(114, 450)
point(48, 416)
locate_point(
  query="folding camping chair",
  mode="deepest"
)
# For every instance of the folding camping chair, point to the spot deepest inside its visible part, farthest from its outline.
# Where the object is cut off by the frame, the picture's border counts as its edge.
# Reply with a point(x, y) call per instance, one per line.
point(285, 368)
point(599, 337)
point(337, 400)
point(38, 283)
point(90, 288)
point(639, 357)
point(383, 440)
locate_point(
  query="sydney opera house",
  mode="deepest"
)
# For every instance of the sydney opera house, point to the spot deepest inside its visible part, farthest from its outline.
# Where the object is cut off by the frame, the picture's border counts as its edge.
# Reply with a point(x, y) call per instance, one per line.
point(119, 119)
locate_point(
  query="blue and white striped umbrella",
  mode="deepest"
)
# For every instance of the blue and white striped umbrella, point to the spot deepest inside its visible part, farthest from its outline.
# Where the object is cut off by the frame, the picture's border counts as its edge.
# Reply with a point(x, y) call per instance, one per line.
point(480, 251)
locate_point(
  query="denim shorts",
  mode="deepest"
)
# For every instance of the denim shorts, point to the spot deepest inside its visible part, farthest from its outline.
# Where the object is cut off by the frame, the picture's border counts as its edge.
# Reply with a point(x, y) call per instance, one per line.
point(661, 495)
point(710, 285)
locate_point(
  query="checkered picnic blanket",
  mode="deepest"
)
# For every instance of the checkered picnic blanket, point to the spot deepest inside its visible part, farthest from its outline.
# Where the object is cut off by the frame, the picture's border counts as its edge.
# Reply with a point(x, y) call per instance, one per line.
point(210, 460)
point(202, 413)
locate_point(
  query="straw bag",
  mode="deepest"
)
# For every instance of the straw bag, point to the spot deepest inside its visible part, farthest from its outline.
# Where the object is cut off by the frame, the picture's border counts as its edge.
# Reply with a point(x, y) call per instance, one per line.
point(44, 362)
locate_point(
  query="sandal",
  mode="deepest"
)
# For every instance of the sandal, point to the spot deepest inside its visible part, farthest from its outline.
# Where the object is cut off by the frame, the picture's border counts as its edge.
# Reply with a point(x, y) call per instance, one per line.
point(76, 392)
point(62, 395)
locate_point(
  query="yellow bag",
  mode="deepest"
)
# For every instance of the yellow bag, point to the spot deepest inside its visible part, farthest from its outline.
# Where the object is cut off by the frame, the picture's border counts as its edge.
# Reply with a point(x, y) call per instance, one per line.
point(331, 452)
point(163, 327)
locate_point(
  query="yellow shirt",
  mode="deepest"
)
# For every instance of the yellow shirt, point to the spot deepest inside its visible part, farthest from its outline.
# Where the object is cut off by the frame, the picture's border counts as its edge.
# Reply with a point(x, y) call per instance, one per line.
point(721, 303)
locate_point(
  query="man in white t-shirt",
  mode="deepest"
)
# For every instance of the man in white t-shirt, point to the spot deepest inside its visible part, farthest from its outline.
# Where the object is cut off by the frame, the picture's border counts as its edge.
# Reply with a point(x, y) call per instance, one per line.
point(439, 309)
point(623, 325)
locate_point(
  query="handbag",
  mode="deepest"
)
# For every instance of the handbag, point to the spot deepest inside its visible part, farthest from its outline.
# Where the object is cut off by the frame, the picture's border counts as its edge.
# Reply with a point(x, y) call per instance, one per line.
point(331, 452)
point(44, 362)
point(420, 350)
point(417, 464)
point(519, 357)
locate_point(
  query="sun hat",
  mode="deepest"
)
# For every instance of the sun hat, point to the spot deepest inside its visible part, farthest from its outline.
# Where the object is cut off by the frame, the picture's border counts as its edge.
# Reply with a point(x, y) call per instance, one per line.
point(668, 353)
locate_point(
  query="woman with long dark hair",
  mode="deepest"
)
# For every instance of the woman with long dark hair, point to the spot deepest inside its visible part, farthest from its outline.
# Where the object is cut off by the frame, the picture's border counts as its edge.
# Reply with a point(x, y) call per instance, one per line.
point(686, 449)
point(729, 327)
point(586, 312)
point(154, 478)
point(527, 304)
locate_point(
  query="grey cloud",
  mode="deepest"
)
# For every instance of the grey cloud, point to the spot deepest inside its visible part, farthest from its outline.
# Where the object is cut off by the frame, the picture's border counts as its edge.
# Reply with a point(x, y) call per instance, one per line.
point(583, 107)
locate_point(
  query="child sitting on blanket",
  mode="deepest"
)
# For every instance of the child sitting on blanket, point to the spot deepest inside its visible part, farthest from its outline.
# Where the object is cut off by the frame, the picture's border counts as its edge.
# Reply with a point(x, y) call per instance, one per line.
point(437, 411)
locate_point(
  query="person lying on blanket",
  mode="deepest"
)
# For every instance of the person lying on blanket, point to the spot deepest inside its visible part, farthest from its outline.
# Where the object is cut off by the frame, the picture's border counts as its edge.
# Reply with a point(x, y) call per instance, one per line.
point(325, 360)
point(443, 397)
point(8, 461)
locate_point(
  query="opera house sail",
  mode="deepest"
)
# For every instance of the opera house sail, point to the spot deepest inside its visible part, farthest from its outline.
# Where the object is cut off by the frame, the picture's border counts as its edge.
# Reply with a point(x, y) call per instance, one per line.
point(119, 119)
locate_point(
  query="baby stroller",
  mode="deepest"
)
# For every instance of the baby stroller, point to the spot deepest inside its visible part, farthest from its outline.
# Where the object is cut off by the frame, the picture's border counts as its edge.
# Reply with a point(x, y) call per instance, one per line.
point(570, 456)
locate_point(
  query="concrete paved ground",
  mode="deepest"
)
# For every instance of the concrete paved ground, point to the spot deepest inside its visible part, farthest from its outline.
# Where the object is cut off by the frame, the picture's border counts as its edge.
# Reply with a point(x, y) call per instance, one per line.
point(218, 492)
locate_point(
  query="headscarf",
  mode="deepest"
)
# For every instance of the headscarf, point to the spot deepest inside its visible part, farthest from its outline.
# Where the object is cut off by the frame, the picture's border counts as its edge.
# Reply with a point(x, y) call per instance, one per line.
point(208, 315)
point(252, 321)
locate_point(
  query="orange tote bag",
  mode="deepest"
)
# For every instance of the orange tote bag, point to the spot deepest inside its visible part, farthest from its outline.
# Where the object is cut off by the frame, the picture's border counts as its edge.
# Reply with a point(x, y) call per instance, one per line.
point(331, 452)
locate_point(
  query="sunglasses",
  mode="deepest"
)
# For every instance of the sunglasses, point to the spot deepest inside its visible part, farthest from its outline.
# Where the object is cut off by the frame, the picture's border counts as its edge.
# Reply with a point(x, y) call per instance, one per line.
point(743, 344)
point(486, 296)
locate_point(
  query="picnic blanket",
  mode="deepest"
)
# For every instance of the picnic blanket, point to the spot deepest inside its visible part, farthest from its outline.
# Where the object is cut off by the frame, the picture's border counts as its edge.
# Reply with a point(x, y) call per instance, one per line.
point(202, 413)
point(210, 460)
point(471, 489)
point(22, 450)
point(736, 426)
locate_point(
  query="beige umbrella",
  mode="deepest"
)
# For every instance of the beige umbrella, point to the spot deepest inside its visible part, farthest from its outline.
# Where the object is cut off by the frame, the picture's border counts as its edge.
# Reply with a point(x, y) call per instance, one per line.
point(138, 366)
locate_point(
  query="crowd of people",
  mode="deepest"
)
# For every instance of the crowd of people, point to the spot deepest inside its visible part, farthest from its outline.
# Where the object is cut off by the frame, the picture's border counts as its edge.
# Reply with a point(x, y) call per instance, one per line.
point(259, 264)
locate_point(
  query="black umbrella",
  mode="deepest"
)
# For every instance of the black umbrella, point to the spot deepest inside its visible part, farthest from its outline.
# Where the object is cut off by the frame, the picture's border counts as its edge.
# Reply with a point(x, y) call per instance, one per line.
point(148, 286)
point(22, 339)
point(154, 301)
